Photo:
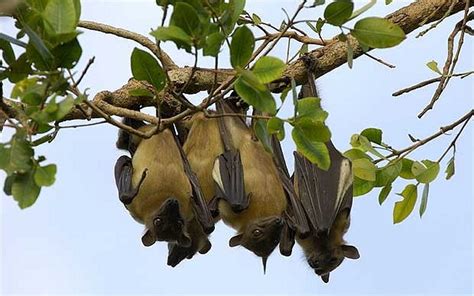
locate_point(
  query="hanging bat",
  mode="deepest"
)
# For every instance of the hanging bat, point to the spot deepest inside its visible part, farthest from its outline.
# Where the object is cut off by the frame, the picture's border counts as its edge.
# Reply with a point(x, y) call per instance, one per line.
point(326, 197)
point(202, 147)
point(251, 198)
point(158, 188)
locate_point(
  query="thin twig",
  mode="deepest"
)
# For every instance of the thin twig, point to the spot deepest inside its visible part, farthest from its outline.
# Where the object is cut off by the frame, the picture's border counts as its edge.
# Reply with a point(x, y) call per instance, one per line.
point(404, 152)
point(379, 60)
point(453, 143)
point(447, 13)
point(242, 115)
point(292, 35)
point(428, 82)
point(451, 61)
point(89, 63)
point(82, 125)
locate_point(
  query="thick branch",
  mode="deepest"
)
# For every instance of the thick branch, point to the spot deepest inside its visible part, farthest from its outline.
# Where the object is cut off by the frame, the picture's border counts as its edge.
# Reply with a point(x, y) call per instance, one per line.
point(165, 59)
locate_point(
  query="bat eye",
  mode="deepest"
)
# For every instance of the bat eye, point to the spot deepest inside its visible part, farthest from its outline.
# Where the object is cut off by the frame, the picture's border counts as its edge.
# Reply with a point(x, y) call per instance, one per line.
point(158, 221)
point(257, 232)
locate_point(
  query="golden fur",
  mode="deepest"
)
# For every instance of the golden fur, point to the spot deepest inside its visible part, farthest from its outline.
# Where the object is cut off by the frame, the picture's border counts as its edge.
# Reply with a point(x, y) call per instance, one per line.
point(165, 177)
point(261, 180)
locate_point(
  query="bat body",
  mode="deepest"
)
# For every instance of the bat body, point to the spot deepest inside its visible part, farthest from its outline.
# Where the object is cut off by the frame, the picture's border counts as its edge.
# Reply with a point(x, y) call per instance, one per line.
point(202, 146)
point(326, 197)
point(259, 221)
point(156, 188)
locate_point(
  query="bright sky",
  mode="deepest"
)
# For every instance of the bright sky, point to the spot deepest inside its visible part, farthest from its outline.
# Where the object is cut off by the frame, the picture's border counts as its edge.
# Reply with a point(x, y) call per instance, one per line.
point(78, 238)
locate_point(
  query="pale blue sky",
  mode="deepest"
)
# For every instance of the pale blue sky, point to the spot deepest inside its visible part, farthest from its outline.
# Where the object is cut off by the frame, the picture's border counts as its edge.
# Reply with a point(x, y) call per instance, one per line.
point(78, 238)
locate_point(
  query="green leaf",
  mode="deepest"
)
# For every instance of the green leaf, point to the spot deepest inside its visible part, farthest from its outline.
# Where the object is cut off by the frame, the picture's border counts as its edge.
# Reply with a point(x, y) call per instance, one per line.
point(361, 187)
point(424, 199)
point(256, 19)
point(140, 92)
point(316, 152)
point(378, 32)
point(426, 171)
point(404, 207)
point(310, 107)
point(388, 174)
point(213, 44)
point(45, 176)
point(231, 15)
point(186, 17)
point(146, 67)
point(19, 154)
point(338, 12)
point(268, 69)
point(67, 55)
point(175, 34)
point(61, 16)
point(350, 54)
point(364, 169)
point(374, 135)
point(7, 52)
point(20, 69)
point(433, 65)
point(361, 142)
point(314, 131)
point(24, 190)
point(450, 169)
point(406, 172)
point(384, 193)
point(241, 47)
point(64, 107)
point(37, 44)
point(276, 126)
point(262, 134)
point(7, 186)
point(354, 154)
point(252, 80)
point(261, 100)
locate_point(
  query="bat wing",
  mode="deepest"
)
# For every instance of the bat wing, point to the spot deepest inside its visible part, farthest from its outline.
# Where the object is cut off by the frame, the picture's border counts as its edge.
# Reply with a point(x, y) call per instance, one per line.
point(200, 208)
point(123, 179)
point(228, 173)
point(323, 193)
point(294, 214)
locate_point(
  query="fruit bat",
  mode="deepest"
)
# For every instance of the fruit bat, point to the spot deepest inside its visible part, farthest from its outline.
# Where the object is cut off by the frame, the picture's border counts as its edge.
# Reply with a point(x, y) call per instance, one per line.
point(202, 146)
point(326, 197)
point(158, 188)
point(250, 196)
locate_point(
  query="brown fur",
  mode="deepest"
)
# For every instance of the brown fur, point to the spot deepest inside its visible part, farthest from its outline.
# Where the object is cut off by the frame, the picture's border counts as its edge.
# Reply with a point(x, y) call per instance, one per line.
point(165, 177)
point(202, 147)
point(260, 180)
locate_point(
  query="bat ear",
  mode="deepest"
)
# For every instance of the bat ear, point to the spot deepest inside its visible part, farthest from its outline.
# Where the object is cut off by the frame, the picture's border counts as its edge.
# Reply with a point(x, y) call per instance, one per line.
point(148, 239)
point(184, 241)
point(235, 241)
point(350, 252)
point(325, 277)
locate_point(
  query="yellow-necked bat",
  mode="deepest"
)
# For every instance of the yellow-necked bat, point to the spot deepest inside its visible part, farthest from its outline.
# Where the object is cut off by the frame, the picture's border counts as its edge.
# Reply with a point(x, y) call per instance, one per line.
point(202, 147)
point(158, 188)
point(326, 197)
point(251, 197)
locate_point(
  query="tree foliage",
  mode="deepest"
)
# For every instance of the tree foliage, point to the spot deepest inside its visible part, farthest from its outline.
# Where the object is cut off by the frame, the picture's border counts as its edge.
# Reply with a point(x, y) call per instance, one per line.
point(41, 59)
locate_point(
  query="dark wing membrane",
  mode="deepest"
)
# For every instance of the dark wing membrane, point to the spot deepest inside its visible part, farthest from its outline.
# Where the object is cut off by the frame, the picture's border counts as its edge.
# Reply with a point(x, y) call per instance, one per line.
point(123, 179)
point(229, 176)
point(323, 193)
point(201, 211)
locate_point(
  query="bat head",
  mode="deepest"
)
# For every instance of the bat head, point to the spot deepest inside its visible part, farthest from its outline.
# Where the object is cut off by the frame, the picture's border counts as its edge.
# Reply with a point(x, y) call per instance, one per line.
point(260, 237)
point(167, 225)
point(325, 262)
